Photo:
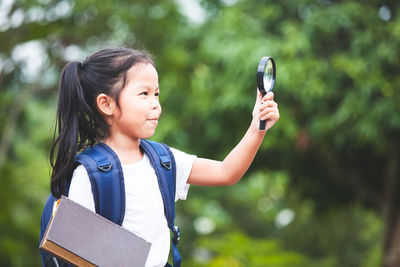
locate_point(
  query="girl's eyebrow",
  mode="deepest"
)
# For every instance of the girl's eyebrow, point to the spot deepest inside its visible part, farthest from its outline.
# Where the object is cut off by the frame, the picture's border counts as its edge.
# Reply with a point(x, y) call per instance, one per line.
point(148, 87)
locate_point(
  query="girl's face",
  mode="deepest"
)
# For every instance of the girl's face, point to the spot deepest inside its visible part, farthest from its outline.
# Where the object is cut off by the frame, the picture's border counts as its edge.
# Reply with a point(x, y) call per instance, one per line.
point(139, 107)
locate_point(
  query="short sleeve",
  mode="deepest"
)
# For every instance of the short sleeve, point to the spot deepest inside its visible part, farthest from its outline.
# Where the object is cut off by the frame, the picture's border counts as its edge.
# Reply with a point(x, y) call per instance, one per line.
point(184, 163)
point(80, 189)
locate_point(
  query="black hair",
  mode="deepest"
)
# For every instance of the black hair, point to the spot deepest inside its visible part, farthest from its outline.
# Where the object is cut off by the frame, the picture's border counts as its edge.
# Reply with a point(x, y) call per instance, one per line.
point(79, 123)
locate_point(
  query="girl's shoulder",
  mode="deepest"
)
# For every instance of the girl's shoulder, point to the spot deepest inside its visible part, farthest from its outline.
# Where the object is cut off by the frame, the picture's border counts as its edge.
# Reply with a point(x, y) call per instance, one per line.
point(80, 170)
point(179, 153)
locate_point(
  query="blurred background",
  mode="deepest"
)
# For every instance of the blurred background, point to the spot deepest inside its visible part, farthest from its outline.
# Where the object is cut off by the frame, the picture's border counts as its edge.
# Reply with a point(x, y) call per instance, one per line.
point(324, 188)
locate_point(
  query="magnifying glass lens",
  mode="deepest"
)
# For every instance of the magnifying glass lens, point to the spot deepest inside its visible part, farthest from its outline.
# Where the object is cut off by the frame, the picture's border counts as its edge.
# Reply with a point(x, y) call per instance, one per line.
point(268, 75)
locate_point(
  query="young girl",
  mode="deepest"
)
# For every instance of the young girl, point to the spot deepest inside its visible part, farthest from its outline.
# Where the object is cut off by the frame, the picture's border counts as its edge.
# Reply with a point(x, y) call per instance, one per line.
point(113, 97)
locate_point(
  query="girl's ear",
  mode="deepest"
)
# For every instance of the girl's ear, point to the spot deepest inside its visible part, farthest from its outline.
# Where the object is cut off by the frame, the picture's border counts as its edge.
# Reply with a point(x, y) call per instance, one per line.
point(106, 104)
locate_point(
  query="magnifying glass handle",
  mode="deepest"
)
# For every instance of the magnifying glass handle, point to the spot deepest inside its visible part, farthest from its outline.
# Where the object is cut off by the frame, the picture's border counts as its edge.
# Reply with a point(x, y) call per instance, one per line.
point(262, 124)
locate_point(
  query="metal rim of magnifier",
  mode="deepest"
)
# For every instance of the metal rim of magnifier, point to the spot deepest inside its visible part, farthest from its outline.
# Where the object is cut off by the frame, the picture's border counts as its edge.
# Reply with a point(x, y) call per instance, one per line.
point(260, 74)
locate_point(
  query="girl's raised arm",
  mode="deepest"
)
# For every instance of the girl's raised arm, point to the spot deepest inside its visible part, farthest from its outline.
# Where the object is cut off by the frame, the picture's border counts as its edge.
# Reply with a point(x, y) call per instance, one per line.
point(208, 172)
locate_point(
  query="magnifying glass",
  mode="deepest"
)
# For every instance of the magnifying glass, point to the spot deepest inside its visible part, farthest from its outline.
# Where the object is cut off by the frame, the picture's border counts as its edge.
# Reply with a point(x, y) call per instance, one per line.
point(266, 73)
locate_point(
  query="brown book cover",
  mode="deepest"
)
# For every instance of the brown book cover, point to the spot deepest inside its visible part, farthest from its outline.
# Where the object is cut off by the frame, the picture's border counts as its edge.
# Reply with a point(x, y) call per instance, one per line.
point(84, 238)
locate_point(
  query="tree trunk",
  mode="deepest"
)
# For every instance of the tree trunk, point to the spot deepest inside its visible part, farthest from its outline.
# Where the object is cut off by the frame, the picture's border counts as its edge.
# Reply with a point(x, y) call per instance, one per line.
point(391, 249)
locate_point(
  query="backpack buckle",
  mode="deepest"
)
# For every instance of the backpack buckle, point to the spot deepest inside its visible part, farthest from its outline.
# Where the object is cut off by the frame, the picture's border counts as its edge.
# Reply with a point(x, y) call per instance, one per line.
point(105, 167)
point(166, 165)
point(177, 235)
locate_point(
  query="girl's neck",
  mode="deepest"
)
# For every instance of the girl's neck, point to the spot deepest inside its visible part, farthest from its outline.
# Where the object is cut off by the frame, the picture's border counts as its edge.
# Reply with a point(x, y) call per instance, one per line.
point(127, 150)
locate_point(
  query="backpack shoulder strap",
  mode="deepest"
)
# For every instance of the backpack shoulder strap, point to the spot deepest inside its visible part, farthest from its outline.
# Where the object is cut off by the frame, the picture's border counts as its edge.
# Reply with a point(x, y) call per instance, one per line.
point(106, 177)
point(163, 162)
point(107, 180)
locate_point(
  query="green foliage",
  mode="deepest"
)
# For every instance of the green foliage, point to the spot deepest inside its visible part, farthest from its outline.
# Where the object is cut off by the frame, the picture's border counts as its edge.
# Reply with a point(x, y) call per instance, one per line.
point(327, 164)
point(237, 249)
point(24, 189)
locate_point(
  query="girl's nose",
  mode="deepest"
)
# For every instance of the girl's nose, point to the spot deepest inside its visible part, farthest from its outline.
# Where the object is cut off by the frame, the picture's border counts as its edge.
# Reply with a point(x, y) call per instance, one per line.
point(155, 103)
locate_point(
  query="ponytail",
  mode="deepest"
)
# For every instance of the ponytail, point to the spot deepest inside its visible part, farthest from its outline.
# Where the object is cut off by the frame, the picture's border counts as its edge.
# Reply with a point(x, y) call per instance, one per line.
point(78, 123)
point(71, 103)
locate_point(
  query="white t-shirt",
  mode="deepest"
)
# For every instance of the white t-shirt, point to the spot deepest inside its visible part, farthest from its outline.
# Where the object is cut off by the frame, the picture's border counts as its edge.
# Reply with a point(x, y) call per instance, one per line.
point(144, 209)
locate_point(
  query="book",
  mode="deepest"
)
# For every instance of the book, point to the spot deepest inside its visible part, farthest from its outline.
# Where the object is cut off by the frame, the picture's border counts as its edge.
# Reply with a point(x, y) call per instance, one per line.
point(83, 238)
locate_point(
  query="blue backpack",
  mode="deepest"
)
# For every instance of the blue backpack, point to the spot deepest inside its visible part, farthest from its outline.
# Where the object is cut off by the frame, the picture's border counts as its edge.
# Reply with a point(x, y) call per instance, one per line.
point(108, 187)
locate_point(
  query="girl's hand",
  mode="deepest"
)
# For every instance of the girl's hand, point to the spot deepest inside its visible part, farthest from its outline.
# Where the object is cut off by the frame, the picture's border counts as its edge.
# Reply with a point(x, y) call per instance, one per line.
point(265, 108)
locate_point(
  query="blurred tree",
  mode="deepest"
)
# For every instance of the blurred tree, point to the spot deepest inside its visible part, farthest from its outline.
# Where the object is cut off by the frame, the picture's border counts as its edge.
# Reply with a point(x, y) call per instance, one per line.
point(336, 142)
point(337, 81)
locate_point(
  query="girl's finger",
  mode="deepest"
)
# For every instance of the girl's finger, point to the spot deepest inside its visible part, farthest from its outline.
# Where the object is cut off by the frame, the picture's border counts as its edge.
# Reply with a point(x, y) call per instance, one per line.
point(266, 111)
point(268, 96)
point(270, 115)
point(269, 103)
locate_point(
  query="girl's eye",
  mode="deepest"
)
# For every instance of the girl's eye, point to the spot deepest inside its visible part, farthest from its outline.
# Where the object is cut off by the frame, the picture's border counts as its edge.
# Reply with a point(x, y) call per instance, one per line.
point(143, 93)
point(157, 94)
